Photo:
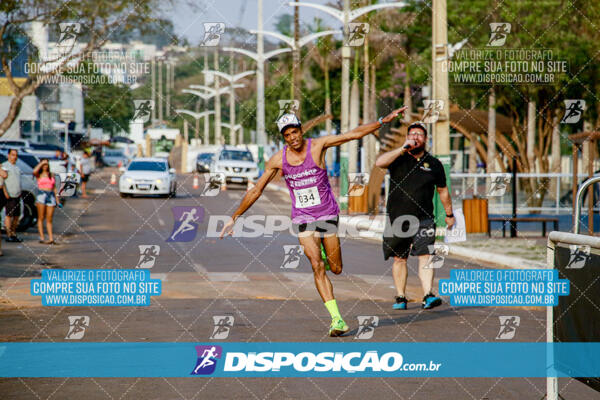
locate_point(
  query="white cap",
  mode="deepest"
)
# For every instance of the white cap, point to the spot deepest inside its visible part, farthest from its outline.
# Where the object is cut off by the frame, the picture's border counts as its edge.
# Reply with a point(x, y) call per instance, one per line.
point(287, 120)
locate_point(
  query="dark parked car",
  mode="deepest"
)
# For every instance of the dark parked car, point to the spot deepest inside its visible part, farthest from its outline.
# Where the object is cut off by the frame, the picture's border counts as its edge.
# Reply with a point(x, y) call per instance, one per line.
point(203, 161)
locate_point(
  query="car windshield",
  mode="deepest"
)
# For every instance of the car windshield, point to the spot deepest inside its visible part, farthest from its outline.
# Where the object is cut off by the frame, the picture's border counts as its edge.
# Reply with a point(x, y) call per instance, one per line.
point(205, 157)
point(42, 146)
point(147, 166)
point(29, 159)
point(114, 153)
point(236, 155)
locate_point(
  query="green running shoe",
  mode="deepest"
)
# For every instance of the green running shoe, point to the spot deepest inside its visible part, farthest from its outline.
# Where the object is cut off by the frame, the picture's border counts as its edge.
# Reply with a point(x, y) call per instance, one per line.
point(324, 257)
point(338, 327)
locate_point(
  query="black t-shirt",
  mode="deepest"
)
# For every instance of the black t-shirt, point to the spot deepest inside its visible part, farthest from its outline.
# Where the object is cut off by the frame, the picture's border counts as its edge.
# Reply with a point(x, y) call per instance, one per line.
point(412, 183)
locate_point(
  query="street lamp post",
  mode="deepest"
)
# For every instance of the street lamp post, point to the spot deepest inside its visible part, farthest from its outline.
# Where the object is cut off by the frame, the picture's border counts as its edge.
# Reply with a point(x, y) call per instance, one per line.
point(233, 128)
point(232, 79)
point(260, 59)
point(209, 93)
point(345, 16)
point(197, 117)
point(290, 41)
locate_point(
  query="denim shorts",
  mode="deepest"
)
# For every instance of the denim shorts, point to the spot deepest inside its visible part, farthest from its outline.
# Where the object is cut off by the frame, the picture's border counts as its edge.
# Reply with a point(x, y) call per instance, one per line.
point(46, 198)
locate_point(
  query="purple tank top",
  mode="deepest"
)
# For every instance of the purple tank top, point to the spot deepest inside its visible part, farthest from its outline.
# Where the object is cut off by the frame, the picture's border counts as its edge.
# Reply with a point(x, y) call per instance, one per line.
point(312, 198)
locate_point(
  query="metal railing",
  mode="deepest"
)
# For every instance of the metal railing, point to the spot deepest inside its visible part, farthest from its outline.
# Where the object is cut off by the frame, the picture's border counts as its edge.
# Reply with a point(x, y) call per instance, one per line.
point(556, 192)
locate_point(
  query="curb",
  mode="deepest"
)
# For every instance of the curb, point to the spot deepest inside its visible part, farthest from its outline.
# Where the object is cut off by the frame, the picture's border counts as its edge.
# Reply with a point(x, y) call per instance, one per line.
point(453, 250)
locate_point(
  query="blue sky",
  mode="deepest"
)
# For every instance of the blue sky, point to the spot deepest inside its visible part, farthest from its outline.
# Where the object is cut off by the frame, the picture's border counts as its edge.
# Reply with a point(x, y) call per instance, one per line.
point(188, 21)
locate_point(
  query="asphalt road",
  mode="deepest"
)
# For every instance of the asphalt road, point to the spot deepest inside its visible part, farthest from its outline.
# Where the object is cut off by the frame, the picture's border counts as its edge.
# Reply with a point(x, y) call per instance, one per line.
point(243, 278)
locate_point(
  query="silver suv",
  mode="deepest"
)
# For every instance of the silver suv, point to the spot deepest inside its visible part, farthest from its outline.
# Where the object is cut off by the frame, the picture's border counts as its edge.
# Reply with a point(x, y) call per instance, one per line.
point(237, 165)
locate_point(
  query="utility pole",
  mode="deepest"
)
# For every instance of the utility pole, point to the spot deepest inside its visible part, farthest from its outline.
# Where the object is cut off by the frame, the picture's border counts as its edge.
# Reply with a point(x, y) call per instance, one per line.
point(296, 71)
point(206, 121)
point(153, 94)
point(345, 16)
point(440, 130)
point(217, 101)
point(345, 104)
point(261, 135)
point(160, 91)
point(168, 89)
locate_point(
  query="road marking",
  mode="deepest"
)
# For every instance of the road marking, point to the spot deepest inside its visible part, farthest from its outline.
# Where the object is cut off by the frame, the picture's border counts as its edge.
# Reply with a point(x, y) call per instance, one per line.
point(161, 275)
point(160, 220)
point(200, 268)
point(227, 277)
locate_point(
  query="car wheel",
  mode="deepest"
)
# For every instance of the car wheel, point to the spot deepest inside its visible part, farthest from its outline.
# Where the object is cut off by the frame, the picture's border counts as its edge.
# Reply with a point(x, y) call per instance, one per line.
point(174, 191)
point(28, 212)
point(124, 195)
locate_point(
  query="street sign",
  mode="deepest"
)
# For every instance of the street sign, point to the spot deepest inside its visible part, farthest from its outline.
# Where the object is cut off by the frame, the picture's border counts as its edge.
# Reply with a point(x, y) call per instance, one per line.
point(67, 114)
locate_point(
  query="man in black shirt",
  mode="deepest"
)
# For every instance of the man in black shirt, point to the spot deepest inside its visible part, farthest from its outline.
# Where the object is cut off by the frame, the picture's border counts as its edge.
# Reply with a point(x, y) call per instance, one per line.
point(414, 173)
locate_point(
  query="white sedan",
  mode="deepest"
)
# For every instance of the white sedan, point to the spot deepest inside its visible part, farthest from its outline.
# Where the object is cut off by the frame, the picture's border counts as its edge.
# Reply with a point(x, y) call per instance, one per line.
point(146, 176)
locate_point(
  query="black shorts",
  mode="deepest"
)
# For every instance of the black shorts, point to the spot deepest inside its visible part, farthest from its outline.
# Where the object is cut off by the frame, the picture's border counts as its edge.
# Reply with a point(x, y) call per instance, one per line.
point(417, 245)
point(85, 178)
point(13, 208)
point(326, 227)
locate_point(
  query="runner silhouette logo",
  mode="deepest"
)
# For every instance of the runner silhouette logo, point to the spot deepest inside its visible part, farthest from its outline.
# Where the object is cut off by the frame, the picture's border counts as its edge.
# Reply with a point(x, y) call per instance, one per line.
point(207, 359)
point(212, 33)
point(77, 326)
point(148, 255)
point(508, 327)
point(186, 220)
point(288, 107)
point(69, 31)
point(142, 110)
point(223, 324)
point(431, 110)
point(499, 33)
point(573, 111)
point(366, 326)
point(579, 256)
point(292, 255)
point(357, 32)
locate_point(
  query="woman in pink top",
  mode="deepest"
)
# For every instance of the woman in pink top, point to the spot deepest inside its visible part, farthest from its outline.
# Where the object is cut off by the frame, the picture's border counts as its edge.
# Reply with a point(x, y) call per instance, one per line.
point(46, 199)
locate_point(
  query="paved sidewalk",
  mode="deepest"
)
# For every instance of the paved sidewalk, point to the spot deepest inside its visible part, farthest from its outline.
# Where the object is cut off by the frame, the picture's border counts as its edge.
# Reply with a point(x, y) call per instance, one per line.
point(523, 252)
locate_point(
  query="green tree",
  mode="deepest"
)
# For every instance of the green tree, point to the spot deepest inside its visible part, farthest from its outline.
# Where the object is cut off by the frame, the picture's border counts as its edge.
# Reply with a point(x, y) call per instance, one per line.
point(97, 19)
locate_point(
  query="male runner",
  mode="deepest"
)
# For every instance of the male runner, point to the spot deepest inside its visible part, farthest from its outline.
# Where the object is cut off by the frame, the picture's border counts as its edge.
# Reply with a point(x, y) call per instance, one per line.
point(314, 209)
point(414, 173)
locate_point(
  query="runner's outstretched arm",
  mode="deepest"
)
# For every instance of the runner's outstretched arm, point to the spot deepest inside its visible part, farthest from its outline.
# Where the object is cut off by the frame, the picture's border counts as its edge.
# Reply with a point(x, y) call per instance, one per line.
point(271, 168)
point(360, 131)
